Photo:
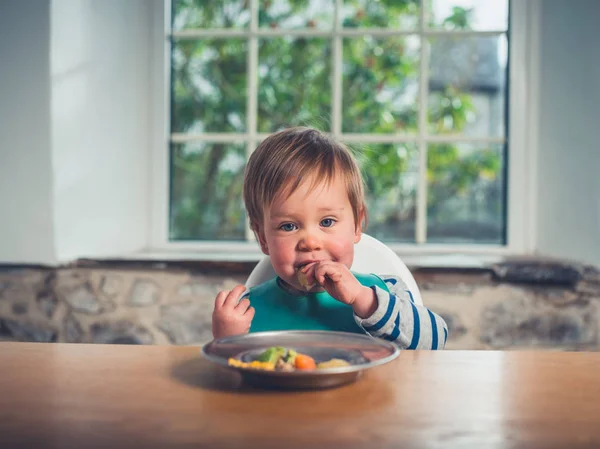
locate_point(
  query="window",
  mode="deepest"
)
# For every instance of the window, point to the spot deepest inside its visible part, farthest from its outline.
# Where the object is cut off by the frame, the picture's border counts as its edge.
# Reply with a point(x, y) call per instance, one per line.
point(419, 90)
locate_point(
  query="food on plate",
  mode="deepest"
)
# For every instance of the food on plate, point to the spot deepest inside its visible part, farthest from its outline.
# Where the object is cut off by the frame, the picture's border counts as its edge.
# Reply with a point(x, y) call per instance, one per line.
point(333, 363)
point(255, 364)
point(304, 362)
point(275, 353)
point(278, 358)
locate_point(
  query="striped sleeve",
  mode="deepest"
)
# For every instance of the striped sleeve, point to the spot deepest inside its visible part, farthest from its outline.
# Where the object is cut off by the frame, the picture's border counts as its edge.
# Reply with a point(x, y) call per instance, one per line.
point(398, 319)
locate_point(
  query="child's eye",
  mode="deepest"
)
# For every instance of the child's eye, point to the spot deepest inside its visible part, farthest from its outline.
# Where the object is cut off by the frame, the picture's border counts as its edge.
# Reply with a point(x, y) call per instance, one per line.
point(288, 227)
point(327, 222)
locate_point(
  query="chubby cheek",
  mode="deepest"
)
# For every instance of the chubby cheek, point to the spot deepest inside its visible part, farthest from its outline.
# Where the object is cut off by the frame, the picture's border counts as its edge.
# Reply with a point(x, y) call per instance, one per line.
point(282, 258)
point(344, 253)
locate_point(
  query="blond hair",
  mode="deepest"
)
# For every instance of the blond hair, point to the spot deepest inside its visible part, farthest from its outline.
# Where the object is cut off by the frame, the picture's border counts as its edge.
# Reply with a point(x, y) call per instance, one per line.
point(284, 159)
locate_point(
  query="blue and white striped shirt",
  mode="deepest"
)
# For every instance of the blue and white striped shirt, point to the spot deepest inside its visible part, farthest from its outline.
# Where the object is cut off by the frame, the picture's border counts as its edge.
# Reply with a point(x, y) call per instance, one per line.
point(398, 319)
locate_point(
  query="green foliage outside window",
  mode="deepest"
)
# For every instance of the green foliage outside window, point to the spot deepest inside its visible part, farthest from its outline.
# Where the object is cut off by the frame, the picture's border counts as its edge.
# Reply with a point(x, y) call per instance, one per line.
point(380, 79)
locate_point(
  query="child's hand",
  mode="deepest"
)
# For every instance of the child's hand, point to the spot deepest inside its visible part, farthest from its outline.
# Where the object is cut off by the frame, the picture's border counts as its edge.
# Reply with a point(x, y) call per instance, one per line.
point(229, 317)
point(340, 283)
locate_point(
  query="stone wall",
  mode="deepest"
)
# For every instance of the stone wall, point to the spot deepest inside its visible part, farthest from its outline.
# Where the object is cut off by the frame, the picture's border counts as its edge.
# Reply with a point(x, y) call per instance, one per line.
point(518, 304)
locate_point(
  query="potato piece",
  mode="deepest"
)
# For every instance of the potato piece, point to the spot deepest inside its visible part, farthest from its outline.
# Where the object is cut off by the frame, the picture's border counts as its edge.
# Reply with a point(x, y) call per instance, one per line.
point(303, 281)
point(333, 363)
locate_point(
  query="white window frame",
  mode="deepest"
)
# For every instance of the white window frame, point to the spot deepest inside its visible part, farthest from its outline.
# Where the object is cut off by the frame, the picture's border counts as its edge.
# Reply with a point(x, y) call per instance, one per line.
point(523, 136)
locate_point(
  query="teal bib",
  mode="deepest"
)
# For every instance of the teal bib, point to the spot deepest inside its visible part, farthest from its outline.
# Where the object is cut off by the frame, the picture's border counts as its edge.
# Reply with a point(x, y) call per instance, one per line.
point(277, 309)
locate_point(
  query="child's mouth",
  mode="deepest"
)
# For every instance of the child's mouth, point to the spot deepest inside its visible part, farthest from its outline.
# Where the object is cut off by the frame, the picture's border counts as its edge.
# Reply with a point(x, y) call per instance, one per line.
point(302, 265)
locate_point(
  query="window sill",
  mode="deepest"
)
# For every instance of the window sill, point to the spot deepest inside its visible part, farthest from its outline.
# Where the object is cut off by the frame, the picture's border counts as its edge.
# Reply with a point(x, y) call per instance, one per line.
point(458, 260)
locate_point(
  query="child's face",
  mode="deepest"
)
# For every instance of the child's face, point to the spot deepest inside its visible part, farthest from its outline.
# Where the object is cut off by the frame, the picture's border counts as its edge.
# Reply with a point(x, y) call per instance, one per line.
point(308, 226)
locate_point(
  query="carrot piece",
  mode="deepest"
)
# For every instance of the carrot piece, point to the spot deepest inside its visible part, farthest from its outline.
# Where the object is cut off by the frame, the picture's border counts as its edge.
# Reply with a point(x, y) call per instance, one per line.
point(304, 362)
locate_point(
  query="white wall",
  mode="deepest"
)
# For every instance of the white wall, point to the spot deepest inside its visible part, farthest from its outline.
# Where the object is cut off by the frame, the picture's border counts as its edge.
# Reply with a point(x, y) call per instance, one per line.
point(75, 79)
point(26, 226)
point(569, 153)
point(100, 121)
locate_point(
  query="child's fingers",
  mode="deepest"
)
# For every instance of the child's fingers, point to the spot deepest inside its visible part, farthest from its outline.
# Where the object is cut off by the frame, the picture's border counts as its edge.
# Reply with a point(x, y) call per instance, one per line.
point(328, 270)
point(220, 299)
point(243, 306)
point(308, 266)
point(250, 313)
point(234, 295)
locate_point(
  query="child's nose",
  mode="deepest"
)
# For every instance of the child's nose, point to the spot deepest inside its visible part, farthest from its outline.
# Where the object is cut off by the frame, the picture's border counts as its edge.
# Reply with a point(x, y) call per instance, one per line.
point(309, 241)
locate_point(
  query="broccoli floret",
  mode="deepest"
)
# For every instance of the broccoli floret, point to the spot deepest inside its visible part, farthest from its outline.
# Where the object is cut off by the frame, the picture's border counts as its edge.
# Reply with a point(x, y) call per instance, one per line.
point(290, 357)
point(271, 355)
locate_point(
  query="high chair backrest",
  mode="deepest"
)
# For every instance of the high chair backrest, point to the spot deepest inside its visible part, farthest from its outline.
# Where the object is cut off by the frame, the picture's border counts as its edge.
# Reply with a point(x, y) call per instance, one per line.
point(370, 256)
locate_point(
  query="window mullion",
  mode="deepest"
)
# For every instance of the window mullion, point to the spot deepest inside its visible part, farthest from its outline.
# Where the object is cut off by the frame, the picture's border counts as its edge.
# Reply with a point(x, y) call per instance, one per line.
point(421, 216)
point(252, 90)
point(336, 79)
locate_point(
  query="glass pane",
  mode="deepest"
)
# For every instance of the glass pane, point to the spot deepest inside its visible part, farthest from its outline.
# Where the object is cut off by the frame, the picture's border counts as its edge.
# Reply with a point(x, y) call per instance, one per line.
point(206, 191)
point(467, 86)
point(466, 194)
point(391, 176)
point(187, 14)
point(209, 86)
point(294, 86)
point(380, 85)
point(294, 14)
point(402, 14)
point(480, 15)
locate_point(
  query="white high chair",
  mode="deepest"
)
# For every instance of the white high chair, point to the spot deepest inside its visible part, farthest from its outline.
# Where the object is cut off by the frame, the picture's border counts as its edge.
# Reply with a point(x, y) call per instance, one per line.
point(370, 256)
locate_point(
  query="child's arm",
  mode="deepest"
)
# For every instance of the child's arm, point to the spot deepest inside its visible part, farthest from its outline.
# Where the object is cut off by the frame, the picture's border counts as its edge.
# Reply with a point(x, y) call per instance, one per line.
point(397, 318)
point(392, 316)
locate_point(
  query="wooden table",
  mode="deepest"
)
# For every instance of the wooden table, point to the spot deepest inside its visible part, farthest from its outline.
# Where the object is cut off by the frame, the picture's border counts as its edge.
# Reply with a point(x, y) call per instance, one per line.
point(83, 396)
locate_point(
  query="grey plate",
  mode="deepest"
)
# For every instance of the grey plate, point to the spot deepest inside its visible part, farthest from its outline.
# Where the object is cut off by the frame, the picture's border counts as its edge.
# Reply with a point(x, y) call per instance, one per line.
point(361, 351)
